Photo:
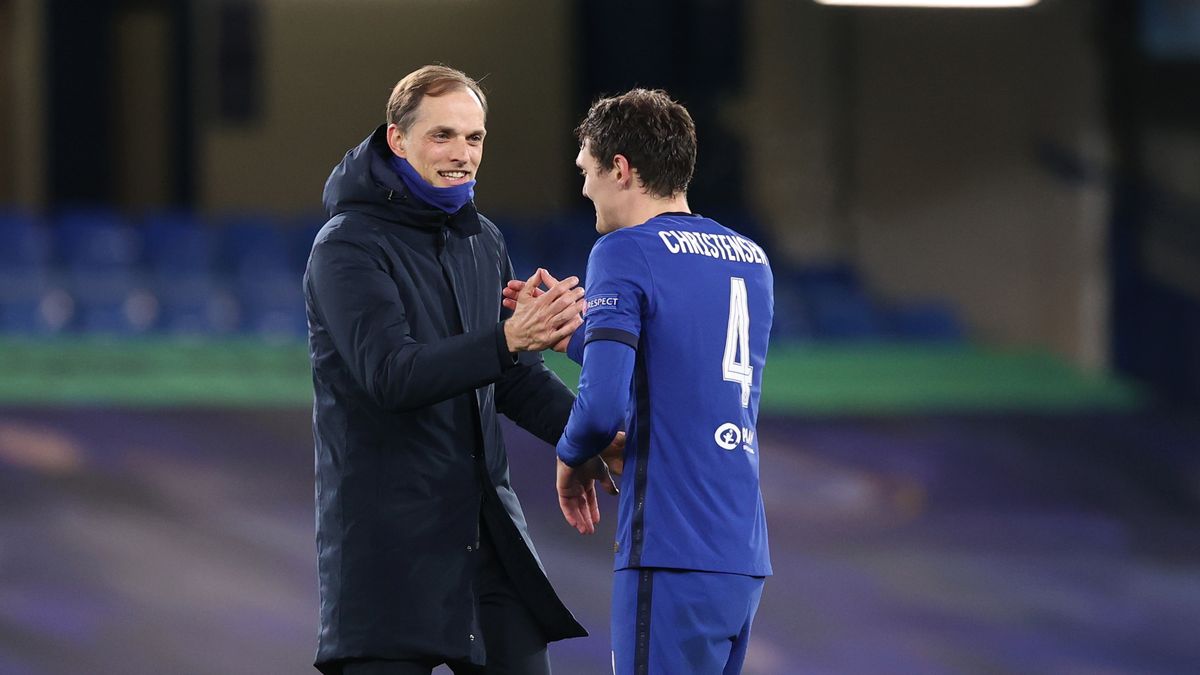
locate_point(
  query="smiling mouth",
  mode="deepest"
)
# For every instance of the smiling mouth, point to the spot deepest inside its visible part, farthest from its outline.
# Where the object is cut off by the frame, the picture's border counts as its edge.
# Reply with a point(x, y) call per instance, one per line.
point(453, 175)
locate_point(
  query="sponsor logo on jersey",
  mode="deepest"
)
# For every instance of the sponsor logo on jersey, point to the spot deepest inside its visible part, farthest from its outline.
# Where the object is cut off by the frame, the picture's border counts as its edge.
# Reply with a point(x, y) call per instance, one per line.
point(729, 435)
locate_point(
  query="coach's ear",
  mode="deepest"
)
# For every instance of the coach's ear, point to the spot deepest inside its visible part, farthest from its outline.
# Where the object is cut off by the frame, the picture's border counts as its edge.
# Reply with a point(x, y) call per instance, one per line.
point(621, 171)
point(395, 141)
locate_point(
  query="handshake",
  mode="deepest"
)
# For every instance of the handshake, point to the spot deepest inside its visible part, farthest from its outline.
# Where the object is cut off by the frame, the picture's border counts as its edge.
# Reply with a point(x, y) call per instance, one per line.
point(542, 319)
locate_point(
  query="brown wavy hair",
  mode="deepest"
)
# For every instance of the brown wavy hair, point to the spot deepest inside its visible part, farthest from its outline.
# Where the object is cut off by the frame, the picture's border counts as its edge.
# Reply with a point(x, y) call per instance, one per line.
point(653, 132)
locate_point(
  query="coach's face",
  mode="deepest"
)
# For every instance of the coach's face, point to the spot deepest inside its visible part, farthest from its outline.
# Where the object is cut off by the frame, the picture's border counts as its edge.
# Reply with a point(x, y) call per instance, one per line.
point(600, 186)
point(445, 142)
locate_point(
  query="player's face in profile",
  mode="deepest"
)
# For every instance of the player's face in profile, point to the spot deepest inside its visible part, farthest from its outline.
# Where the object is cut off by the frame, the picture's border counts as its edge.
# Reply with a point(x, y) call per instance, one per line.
point(445, 143)
point(599, 187)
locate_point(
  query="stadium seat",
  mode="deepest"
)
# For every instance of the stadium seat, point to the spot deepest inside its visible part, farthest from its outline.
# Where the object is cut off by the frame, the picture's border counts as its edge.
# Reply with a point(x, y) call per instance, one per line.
point(181, 259)
point(26, 241)
point(264, 278)
point(521, 236)
point(837, 305)
point(925, 322)
point(99, 252)
point(31, 302)
point(96, 239)
point(792, 320)
point(300, 233)
point(567, 241)
point(178, 243)
point(252, 245)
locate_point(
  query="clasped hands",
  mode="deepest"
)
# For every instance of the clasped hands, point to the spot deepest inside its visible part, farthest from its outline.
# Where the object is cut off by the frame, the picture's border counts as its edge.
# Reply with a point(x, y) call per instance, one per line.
point(542, 319)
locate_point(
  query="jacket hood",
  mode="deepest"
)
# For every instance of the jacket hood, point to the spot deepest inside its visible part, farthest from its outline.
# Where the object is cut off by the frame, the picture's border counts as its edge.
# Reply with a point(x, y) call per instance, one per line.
point(364, 182)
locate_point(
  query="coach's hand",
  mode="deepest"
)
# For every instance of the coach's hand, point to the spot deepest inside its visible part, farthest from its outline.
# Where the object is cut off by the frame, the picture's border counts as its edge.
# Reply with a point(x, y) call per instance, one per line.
point(513, 289)
point(544, 319)
point(577, 493)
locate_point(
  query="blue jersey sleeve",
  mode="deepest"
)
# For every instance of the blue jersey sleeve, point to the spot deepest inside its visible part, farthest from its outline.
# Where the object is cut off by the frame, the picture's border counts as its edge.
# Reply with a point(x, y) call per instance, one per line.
point(618, 280)
point(575, 345)
point(618, 290)
point(599, 410)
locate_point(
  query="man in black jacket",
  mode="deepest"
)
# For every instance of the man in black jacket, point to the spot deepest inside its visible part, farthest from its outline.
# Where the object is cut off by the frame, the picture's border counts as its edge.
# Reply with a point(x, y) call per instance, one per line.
point(423, 553)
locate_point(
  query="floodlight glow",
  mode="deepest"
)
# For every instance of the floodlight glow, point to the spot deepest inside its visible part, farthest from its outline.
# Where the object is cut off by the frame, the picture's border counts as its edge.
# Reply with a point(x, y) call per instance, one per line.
point(962, 4)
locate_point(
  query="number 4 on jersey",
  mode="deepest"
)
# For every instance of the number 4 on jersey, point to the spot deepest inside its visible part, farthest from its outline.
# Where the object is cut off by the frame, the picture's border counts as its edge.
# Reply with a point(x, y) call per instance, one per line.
point(735, 367)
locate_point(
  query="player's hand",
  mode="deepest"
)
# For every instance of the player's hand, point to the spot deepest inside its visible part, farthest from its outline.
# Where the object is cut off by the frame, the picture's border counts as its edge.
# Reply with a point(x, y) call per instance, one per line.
point(546, 319)
point(512, 289)
point(614, 454)
point(577, 493)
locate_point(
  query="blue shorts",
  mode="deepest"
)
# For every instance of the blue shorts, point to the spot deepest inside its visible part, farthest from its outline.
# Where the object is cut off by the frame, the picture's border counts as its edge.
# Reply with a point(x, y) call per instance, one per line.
point(667, 621)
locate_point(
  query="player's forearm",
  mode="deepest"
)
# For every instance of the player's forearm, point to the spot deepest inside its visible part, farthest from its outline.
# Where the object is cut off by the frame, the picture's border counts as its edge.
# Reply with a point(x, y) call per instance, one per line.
point(600, 407)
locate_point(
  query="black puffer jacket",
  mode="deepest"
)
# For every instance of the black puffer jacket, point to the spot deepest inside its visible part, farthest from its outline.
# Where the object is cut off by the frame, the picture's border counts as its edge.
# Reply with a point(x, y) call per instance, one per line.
point(410, 368)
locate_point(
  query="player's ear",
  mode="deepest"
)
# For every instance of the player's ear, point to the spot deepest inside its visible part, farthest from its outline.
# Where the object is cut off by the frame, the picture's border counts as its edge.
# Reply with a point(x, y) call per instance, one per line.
point(622, 172)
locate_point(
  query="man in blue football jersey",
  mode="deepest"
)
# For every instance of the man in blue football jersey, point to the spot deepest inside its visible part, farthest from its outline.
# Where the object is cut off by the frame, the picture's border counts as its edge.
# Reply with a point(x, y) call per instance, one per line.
point(673, 346)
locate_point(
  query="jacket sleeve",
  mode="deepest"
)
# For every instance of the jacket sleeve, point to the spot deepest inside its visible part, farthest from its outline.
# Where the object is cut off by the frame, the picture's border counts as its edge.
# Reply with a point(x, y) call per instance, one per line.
point(357, 301)
point(532, 396)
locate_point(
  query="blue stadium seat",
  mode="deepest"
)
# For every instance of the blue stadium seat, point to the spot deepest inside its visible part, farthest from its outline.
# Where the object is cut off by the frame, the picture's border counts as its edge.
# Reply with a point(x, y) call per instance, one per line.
point(301, 233)
point(567, 241)
point(521, 236)
point(32, 300)
point(252, 245)
point(99, 252)
point(26, 241)
point(792, 320)
point(197, 306)
point(837, 305)
point(845, 315)
point(264, 278)
point(178, 243)
point(181, 256)
point(96, 240)
point(925, 322)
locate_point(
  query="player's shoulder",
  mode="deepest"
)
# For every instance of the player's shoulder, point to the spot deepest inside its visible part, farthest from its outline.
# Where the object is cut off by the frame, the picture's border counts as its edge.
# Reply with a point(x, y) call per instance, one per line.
point(690, 222)
point(622, 241)
point(643, 235)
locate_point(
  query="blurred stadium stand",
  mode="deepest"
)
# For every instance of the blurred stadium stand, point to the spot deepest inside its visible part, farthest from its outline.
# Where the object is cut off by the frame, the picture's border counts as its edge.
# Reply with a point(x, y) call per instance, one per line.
point(181, 256)
point(94, 271)
point(25, 282)
point(99, 252)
